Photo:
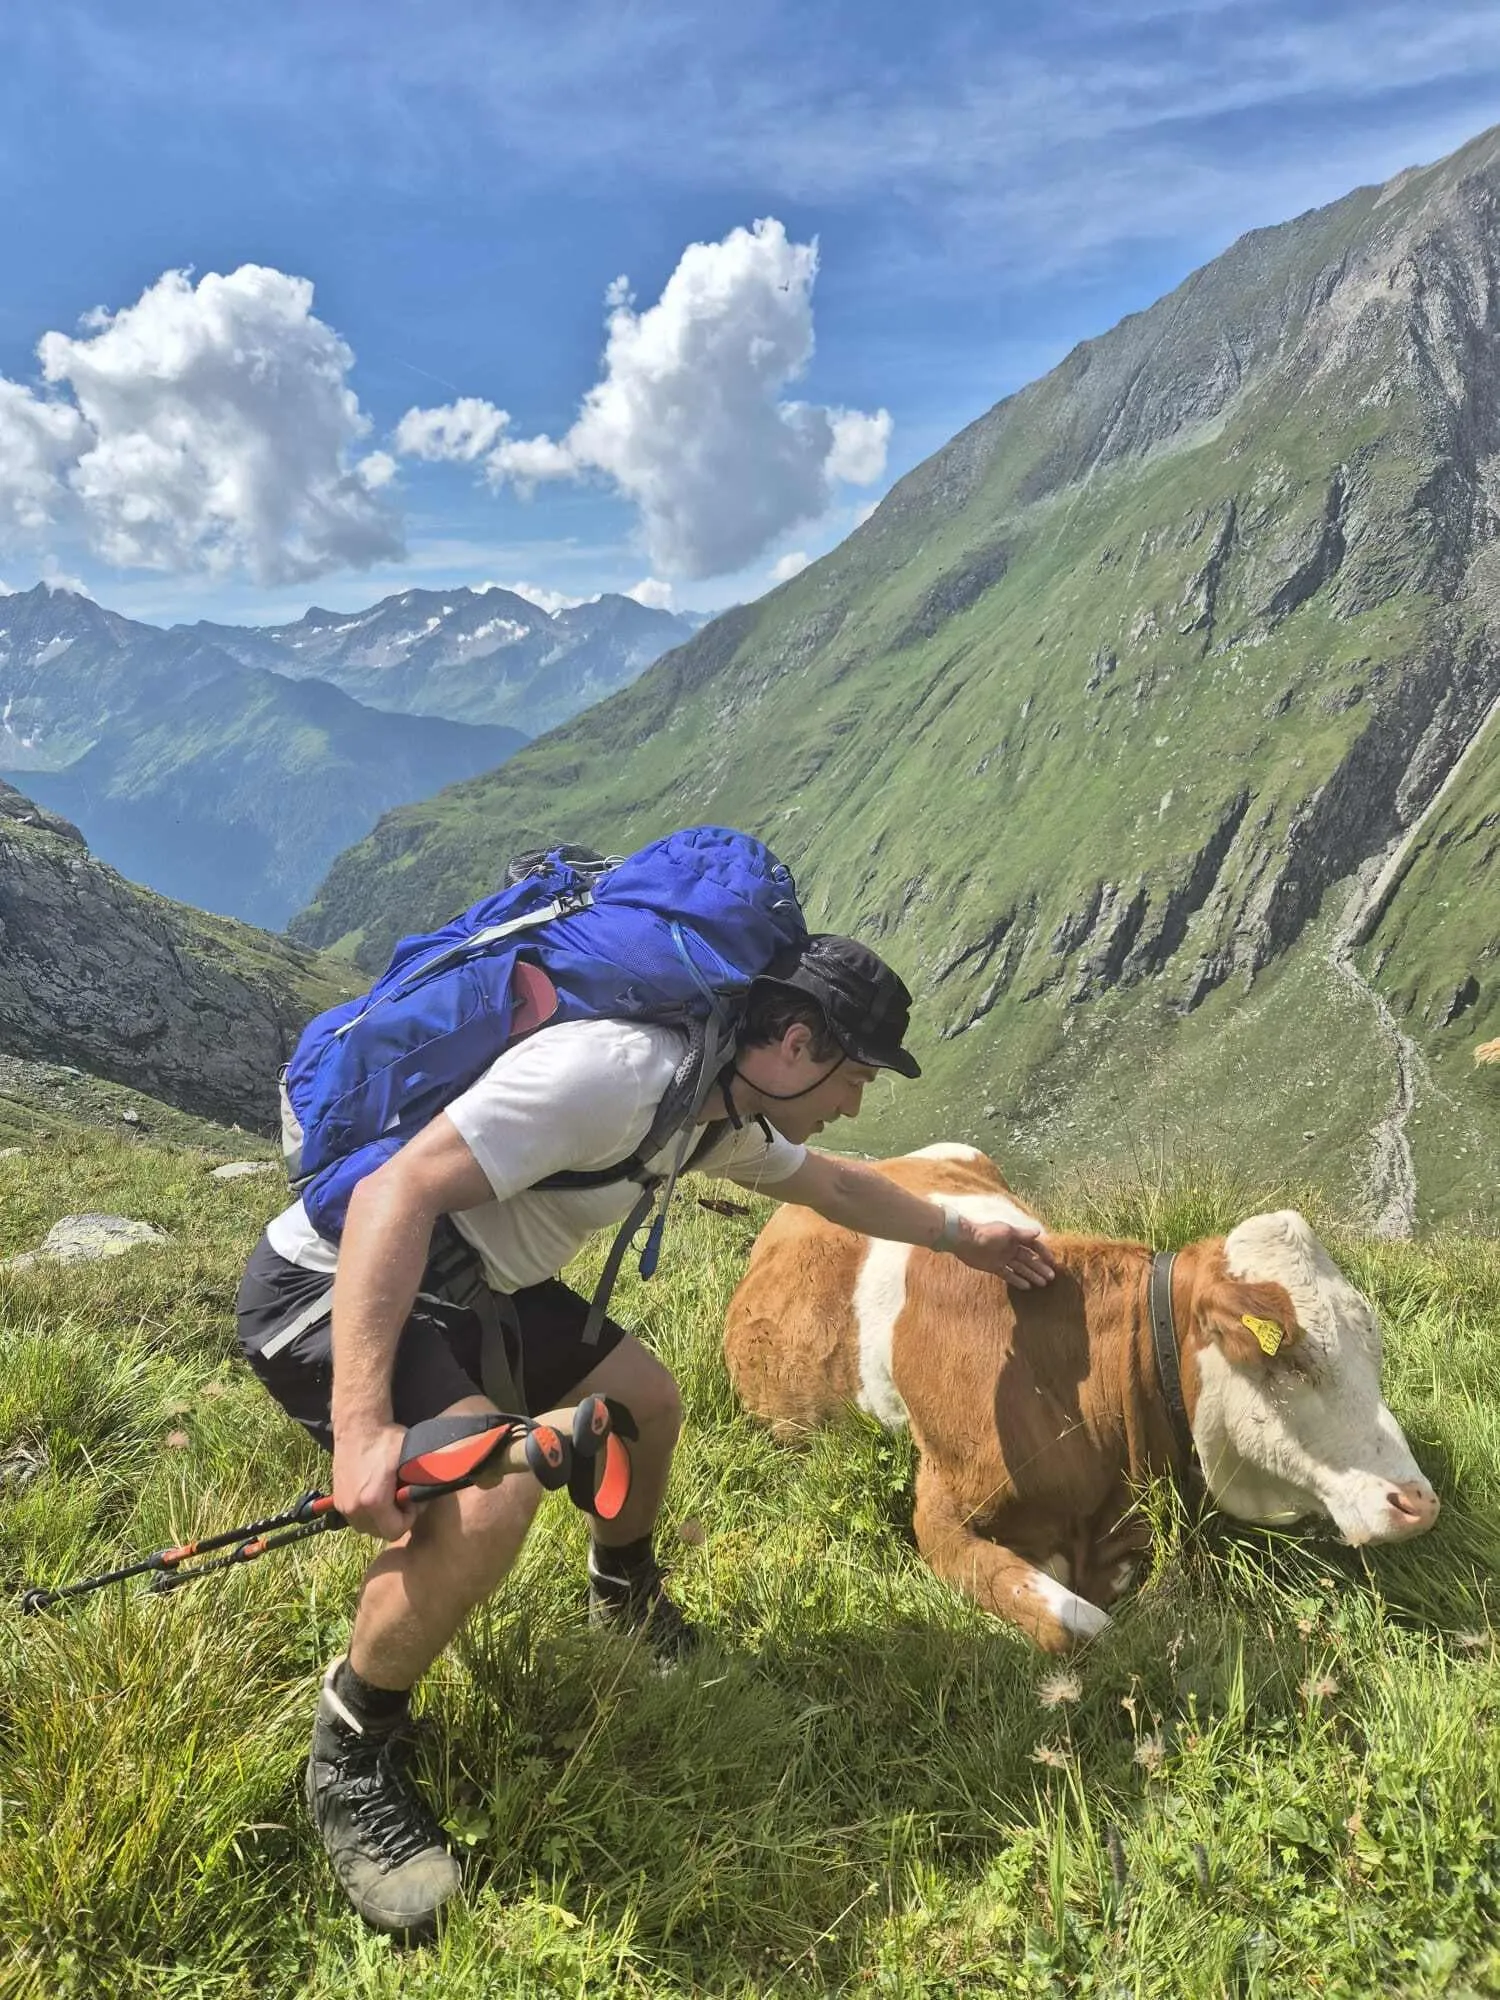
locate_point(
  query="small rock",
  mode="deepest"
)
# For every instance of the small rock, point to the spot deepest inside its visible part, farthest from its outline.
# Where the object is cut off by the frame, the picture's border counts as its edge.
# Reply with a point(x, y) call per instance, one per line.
point(130, 1117)
point(20, 1465)
point(11, 1152)
point(1446, 1008)
point(78, 1239)
point(234, 1170)
point(990, 1111)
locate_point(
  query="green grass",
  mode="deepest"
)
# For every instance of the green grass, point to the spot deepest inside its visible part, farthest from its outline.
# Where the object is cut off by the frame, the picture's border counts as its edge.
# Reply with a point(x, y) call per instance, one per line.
point(39, 1101)
point(1276, 1774)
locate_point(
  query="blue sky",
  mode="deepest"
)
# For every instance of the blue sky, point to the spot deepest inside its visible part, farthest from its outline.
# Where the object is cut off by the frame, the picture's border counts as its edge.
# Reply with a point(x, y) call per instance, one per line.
point(462, 184)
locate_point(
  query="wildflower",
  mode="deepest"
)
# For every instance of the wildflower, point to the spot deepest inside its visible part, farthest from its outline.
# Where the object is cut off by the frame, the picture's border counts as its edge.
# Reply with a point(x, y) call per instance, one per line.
point(1058, 1689)
point(1151, 1753)
point(1318, 1687)
point(1049, 1754)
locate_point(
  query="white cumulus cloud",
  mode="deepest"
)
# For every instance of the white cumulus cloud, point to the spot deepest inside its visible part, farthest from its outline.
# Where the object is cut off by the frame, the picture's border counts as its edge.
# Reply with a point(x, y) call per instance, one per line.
point(39, 440)
point(463, 430)
point(206, 427)
point(791, 564)
point(652, 592)
point(688, 419)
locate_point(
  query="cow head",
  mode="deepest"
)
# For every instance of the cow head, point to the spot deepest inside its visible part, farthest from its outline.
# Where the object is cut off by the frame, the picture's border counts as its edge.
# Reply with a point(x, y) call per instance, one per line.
point(1288, 1417)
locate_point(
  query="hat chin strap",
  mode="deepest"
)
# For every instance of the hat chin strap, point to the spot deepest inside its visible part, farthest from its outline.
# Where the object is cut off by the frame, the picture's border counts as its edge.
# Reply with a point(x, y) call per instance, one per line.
point(732, 1070)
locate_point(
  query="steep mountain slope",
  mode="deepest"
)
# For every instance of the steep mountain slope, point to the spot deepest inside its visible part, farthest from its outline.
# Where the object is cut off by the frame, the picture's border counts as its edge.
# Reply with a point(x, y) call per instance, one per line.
point(474, 656)
point(1092, 722)
point(219, 784)
point(108, 978)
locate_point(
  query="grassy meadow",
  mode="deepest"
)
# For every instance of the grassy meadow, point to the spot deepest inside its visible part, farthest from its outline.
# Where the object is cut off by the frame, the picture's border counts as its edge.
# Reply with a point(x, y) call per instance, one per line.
point(1276, 1775)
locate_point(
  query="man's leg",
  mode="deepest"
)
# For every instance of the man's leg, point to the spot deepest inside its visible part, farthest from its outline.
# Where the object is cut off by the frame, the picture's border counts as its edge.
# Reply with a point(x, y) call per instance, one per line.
point(418, 1591)
point(386, 1848)
point(625, 1584)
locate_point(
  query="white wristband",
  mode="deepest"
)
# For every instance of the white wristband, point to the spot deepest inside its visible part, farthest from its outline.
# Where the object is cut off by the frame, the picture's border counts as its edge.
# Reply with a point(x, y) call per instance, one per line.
point(951, 1234)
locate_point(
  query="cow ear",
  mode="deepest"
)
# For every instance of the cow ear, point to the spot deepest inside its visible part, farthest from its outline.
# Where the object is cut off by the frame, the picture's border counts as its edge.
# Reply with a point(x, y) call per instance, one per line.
point(1252, 1323)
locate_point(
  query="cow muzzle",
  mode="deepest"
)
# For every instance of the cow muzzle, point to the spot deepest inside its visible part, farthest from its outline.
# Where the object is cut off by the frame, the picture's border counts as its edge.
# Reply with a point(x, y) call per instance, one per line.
point(1389, 1510)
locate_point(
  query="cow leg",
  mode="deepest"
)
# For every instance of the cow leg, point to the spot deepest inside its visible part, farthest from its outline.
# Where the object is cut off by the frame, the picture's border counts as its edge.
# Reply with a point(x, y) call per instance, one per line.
point(997, 1578)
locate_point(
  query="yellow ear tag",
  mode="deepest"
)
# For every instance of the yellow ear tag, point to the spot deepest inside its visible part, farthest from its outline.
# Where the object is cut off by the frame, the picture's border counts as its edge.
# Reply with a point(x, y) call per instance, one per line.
point(1266, 1331)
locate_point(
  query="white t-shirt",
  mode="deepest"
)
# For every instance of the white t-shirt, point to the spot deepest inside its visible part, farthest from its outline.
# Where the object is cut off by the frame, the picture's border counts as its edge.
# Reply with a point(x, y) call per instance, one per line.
point(580, 1094)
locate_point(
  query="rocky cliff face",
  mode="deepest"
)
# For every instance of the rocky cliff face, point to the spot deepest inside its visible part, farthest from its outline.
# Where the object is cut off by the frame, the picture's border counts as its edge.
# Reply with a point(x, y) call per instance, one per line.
point(97, 973)
point(1096, 719)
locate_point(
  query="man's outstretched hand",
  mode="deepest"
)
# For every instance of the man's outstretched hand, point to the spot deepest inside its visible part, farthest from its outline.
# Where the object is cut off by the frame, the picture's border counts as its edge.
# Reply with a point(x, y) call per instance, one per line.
point(1013, 1251)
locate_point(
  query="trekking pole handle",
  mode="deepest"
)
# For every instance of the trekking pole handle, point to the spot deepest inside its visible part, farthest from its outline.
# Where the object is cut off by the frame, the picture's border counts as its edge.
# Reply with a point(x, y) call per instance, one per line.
point(450, 1453)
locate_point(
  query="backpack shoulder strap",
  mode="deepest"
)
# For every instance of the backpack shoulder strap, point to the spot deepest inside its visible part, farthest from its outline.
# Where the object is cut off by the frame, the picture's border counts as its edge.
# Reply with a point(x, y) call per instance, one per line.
point(710, 1044)
point(679, 1107)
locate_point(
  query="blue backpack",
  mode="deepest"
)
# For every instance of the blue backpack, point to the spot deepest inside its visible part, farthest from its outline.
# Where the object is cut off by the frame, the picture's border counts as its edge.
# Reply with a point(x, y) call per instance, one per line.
point(674, 934)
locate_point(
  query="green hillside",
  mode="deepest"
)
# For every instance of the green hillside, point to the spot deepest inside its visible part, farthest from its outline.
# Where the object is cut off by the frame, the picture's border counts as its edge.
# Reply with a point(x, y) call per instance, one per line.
point(1275, 1774)
point(1092, 725)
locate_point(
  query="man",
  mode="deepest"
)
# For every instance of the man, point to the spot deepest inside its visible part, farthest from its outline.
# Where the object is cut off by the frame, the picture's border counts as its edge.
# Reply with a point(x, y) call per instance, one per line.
point(576, 1096)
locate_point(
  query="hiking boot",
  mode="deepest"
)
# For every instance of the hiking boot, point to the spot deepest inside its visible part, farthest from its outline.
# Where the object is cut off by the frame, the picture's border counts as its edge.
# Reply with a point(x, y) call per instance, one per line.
point(387, 1850)
point(638, 1605)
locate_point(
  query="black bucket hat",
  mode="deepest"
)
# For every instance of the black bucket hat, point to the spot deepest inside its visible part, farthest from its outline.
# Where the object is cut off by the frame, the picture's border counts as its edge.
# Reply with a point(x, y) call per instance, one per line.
point(866, 1006)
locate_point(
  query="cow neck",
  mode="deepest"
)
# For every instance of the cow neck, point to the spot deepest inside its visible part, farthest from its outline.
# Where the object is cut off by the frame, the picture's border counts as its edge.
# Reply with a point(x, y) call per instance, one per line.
point(1164, 1344)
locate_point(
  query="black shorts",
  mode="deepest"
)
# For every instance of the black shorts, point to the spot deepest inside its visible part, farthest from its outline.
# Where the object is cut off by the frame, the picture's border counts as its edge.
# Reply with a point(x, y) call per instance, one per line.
point(437, 1358)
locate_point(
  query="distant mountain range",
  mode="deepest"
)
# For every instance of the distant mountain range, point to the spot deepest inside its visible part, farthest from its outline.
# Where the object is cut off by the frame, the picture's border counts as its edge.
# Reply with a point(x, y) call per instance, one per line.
point(1152, 728)
point(226, 766)
point(470, 655)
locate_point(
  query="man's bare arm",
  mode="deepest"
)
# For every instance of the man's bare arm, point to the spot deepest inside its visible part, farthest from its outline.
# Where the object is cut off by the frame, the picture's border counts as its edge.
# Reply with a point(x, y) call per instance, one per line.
point(381, 1260)
point(856, 1197)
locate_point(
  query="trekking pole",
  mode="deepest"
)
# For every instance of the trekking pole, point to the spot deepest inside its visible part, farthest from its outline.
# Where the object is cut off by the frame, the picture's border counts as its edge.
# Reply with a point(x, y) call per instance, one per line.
point(581, 1448)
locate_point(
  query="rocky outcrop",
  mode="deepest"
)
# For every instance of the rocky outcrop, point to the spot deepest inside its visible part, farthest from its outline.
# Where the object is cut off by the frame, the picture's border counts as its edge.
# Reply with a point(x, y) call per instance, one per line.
point(97, 973)
point(84, 1239)
point(1416, 733)
point(955, 590)
point(22, 811)
point(997, 954)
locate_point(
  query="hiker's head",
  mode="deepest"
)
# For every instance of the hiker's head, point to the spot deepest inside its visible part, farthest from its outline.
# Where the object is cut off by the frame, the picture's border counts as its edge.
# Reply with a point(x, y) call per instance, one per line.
point(820, 1023)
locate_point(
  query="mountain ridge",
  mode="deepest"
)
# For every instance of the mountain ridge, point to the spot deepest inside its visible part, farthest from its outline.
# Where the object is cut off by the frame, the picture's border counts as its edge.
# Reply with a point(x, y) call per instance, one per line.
point(1200, 621)
point(419, 652)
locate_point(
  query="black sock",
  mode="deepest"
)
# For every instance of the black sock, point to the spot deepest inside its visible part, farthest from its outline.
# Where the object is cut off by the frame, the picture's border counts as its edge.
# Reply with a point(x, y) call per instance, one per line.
point(625, 1563)
point(374, 1708)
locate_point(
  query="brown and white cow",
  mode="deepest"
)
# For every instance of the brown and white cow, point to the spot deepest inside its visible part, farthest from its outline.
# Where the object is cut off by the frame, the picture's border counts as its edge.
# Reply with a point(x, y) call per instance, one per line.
point(1037, 1414)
